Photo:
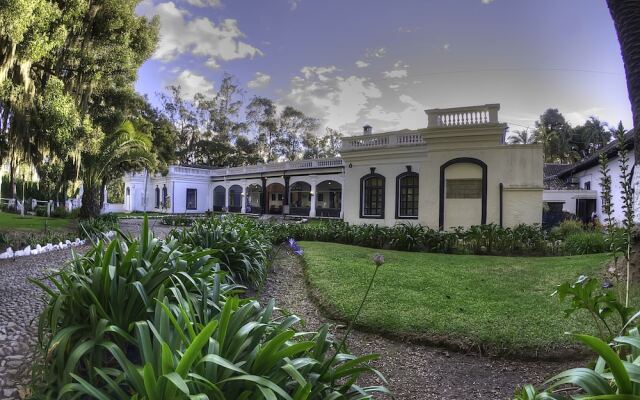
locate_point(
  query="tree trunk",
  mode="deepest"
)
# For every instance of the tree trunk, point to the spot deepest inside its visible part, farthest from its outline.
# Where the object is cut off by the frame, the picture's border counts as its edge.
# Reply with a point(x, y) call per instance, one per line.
point(90, 202)
point(626, 18)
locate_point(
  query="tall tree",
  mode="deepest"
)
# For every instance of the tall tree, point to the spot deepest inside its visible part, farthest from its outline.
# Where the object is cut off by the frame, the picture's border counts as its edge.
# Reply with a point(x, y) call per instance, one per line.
point(117, 152)
point(523, 136)
point(183, 115)
point(590, 137)
point(294, 126)
point(262, 115)
point(626, 18)
point(554, 132)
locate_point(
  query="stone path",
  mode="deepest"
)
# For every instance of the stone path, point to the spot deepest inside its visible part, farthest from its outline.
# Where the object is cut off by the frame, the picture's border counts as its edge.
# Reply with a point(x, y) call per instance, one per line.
point(20, 305)
point(413, 371)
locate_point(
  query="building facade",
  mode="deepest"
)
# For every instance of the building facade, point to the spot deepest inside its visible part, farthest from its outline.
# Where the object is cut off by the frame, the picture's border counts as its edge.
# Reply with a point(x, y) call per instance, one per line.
point(457, 171)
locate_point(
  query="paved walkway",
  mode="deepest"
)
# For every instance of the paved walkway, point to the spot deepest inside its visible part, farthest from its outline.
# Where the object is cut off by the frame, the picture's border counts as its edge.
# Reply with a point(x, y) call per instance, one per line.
point(20, 306)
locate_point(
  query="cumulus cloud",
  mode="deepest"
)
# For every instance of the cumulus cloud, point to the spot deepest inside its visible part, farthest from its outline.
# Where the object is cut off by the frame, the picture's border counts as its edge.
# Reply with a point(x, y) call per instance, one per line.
point(410, 117)
point(199, 36)
point(261, 80)
point(205, 3)
point(376, 53)
point(192, 83)
point(487, 1)
point(339, 101)
point(399, 71)
point(362, 64)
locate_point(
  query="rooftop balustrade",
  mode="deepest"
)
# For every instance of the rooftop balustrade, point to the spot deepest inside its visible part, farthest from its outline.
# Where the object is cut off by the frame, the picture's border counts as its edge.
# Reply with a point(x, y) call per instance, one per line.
point(463, 116)
point(371, 141)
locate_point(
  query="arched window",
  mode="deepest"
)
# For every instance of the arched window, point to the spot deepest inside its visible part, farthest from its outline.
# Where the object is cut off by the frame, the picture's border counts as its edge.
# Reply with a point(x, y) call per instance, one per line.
point(164, 196)
point(372, 196)
point(157, 197)
point(219, 194)
point(407, 195)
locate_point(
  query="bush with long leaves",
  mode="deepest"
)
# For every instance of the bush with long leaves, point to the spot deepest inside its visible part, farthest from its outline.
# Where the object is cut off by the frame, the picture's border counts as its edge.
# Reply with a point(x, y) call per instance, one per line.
point(242, 352)
point(152, 319)
point(242, 250)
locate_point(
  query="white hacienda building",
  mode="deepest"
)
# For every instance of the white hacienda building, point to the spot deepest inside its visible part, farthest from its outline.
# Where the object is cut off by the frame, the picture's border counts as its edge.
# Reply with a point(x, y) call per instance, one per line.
point(455, 172)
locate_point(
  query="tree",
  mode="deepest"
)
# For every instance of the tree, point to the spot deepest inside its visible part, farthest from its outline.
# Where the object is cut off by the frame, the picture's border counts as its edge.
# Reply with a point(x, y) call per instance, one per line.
point(324, 146)
point(523, 137)
point(182, 115)
point(626, 18)
point(553, 131)
point(587, 139)
point(119, 152)
point(294, 126)
point(262, 115)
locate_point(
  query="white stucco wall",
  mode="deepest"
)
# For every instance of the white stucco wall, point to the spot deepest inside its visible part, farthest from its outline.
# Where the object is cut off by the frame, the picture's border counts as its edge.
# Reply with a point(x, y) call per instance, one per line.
point(593, 175)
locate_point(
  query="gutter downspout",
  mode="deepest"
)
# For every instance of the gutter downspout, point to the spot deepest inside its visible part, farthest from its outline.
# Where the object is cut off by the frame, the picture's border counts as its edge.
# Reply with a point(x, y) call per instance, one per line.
point(501, 186)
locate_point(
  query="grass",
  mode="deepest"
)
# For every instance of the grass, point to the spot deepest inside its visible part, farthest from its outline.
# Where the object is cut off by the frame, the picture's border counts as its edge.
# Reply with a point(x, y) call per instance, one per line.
point(14, 222)
point(500, 304)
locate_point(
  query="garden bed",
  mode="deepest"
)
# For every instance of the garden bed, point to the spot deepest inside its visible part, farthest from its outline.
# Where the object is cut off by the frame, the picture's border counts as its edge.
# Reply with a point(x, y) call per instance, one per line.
point(495, 305)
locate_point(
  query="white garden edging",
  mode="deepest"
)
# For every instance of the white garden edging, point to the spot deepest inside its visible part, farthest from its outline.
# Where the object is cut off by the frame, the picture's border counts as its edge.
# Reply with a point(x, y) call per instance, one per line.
point(38, 249)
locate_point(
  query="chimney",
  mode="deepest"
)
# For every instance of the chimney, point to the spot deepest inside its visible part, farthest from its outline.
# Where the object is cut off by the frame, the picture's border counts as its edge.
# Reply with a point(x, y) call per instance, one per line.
point(367, 129)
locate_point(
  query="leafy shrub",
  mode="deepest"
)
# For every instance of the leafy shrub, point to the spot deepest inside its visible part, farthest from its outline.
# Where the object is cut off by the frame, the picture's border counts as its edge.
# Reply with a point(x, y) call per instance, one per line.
point(41, 211)
point(146, 318)
point(60, 212)
point(586, 242)
point(177, 220)
point(95, 227)
point(566, 228)
point(241, 249)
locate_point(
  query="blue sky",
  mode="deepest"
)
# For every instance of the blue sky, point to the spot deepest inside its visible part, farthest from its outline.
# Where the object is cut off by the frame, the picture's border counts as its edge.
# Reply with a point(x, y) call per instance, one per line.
point(352, 62)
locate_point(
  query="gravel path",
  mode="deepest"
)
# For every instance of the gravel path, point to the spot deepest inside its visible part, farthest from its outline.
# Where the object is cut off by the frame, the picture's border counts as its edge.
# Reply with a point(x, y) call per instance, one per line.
point(20, 305)
point(413, 371)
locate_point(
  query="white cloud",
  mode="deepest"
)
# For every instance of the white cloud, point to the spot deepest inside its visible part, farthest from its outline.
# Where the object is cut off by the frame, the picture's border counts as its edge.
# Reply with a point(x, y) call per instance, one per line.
point(192, 83)
point(361, 64)
point(261, 80)
point(293, 4)
point(446, 46)
point(396, 73)
point(487, 1)
point(411, 117)
point(336, 100)
point(205, 3)
point(376, 53)
point(394, 87)
point(198, 36)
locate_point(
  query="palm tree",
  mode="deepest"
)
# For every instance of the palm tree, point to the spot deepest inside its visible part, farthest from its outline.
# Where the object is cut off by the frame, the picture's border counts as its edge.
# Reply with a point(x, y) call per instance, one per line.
point(523, 137)
point(122, 151)
point(626, 18)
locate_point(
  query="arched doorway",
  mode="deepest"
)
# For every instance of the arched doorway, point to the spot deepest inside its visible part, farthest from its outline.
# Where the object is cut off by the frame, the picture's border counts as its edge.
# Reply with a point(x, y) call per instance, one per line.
point(463, 193)
point(254, 199)
point(300, 199)
point(329, 199)
point(219, 194)
point(235, 198)
point(275, 198)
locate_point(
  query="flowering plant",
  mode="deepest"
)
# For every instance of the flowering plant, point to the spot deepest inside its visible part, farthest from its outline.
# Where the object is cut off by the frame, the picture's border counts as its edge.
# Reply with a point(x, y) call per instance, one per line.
point(295, 247)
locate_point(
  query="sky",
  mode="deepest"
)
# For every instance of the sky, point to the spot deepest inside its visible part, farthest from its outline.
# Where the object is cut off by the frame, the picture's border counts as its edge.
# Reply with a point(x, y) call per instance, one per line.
point(383, 62)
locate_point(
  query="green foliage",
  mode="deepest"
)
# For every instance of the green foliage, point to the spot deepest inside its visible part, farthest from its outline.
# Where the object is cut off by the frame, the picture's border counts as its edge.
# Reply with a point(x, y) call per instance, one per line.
point(242, 251)
point(177, 220)
point(567, 227)
point(613, 376)
point(586, 242)
point(147, 318)
point(96, 227)
point(608, 314)
point(488, 239)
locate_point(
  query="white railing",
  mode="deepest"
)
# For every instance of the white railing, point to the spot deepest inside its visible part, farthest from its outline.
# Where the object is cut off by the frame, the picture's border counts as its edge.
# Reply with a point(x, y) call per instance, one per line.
point(463, 116)
point(410, 138)
point(288, 165)
point(176, 169)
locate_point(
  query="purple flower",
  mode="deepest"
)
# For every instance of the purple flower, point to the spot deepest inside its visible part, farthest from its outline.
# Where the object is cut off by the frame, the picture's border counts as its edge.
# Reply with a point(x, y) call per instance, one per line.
point(607, 284)
point(295, 248)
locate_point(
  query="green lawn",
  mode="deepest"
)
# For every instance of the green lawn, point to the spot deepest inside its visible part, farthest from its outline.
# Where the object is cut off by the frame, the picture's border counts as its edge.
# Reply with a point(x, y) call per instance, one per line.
point(14, 222)
point(501, 303)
